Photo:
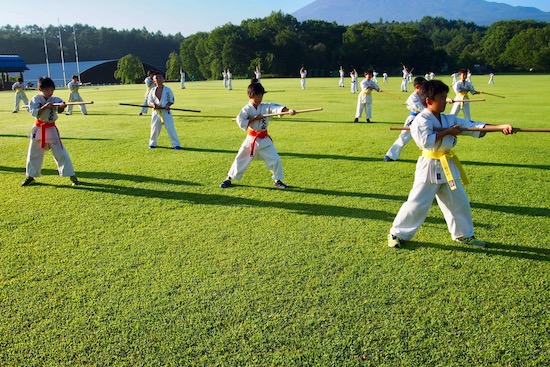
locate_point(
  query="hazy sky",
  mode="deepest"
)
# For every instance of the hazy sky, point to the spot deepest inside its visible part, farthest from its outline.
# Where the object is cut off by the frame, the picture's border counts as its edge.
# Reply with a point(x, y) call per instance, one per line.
point(184, 16)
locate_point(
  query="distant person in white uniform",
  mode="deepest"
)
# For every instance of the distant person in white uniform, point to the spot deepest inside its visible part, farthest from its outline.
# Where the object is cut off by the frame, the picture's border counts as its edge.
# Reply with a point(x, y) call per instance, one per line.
point(229, 80)
point(224, 77)
point(20, 95)
point(353, 75)
point(149, 84)
point(160, 99)
point(462, 88)
point(182, 78)
point(385, 77)
point(455, 78)
point(375, 76)
point(74, 96)
point(303, 75)
point(491, 78)
point(258, 73)
point(364, 100)
point(342, 75)
point(405, 72)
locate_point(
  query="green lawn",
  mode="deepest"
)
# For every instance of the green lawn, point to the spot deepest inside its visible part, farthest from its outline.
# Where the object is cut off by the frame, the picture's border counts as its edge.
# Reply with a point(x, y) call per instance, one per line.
point(150, 263)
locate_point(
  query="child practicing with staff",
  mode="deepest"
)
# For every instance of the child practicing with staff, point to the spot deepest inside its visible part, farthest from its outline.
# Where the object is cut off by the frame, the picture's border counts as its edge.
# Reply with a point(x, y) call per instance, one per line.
point(364, 100)
point(149, 84)
point(20, 95)
point(160, 99)
point(44, 135)
point(415, 106)
point(257, 144)
point(462, 88)
point(74, 96)
point(438, 171)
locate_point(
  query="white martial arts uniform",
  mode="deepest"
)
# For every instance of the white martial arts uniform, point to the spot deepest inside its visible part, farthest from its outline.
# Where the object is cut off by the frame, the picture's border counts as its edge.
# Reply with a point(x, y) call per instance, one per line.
point(44, 135)
point(491, 79)
point(462, 88)
point(257, 75)
point(20, 95)
point(430, 181)
point(229, 80)
point(353, 86)
point(375, 77)
point(182, 79)
point(404, 81)
point(342, 75)
point(455, 78)
point(364, 99)
point(150, 84)
point(162, 116)
point(74, 96)
point(303, 74)
point(385, 77)
point(415, 106)
point(224, 77)
point(254, 146)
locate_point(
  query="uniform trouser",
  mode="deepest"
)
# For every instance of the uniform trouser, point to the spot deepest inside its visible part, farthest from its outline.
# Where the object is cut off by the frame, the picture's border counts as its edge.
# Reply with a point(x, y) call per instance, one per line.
point(353, 87)
point(156, 127)
point(453, 203)
point(18, 98)
point(35, 157)
point(341, 82)
point(75, 97)
point(465, 107)
point(303, 83)
point(364, 102)
point(395, 150)
point(404, 85)
point(145, 104)
point(268, 154)
point(229, 84)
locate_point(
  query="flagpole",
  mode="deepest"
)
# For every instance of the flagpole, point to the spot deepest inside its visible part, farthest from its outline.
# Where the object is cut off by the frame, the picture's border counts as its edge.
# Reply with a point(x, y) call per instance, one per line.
point(76, 55)
point(46, 51)
point(62, 55)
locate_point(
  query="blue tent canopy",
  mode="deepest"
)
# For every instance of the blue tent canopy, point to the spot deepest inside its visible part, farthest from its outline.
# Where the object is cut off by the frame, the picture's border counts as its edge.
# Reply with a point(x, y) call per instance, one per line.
point(12, 63)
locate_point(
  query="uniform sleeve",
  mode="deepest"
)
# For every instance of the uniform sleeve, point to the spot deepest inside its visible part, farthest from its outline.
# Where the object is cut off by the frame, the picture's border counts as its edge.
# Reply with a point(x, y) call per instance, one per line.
point(242, 119)
point(34, 106)
point(423, 133)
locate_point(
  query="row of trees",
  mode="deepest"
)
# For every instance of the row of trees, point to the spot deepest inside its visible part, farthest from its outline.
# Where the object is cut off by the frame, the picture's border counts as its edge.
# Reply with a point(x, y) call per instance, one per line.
point(280, 45)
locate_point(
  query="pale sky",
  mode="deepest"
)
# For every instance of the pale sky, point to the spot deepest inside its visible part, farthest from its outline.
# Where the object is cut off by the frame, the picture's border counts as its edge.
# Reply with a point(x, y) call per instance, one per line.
point(184, 16)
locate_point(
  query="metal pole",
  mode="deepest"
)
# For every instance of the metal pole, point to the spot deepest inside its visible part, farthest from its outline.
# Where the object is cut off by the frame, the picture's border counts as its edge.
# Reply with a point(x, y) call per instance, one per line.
point(62, 55)
point(46, 51)
point(76, 55)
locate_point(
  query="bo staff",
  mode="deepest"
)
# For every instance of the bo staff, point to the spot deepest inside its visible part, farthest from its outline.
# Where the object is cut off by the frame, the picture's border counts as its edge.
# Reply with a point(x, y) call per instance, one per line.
point(66, 103)
point(390, 94)
point(288, 112)
point(487, 129)
point(492, 94)
point(171, 108)
point(467, 100)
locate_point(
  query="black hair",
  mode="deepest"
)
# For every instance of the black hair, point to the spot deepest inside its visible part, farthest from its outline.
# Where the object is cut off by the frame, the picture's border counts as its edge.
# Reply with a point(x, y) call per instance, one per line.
point(463, 71)
point(255, 89)
point(419, 80)
point(431, 88)
point(45, 83)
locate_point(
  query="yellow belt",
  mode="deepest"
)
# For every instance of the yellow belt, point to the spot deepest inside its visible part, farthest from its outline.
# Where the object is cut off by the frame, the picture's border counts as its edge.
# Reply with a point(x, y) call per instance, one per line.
point(444, 158)
point(159, 113)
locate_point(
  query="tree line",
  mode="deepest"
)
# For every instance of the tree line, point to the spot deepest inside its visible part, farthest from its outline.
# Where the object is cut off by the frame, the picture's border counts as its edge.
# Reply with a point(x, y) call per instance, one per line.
point(281, 45)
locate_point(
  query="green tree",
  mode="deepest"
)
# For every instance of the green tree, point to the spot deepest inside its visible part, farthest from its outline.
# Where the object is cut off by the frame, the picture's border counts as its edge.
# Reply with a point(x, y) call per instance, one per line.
point(129, 69)
point(529, 49)
point(173, 66)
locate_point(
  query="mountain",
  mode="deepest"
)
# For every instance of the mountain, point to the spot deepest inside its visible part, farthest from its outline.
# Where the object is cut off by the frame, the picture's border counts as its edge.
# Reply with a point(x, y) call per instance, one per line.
point(347, 12)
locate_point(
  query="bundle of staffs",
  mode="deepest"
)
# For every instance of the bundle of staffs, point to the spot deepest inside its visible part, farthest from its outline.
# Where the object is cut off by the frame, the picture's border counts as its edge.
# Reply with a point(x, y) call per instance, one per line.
point(487, 129)
point(288, 112)
point(171, 108)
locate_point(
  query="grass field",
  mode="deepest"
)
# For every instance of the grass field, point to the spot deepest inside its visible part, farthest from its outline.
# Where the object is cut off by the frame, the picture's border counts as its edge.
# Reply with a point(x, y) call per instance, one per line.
point(150, 263)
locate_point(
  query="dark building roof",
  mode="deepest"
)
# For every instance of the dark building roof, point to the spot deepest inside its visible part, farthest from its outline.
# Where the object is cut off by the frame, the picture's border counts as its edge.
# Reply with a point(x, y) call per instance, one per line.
point(12, 63)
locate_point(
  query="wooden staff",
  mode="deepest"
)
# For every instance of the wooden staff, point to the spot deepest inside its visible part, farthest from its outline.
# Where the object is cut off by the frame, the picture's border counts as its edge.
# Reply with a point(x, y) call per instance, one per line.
point(288, 112)
point(467, 100)
point(390, 94)
point(66, 103)
point(171, 108)
point(492, 94)
point(487, 129)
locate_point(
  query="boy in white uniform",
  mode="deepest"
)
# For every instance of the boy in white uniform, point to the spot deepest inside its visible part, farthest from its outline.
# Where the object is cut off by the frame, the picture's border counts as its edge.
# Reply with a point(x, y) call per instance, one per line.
point(462, 88)
point(20, 95)
point(342, 75)
point(182, 78)
point(303, 74)
point(353, 86)
point(385, 77)
point(491, 78)
point(44, 135)
point(149, 84)
point(415, 106)
point(258, 143)
point(364, 100)
point(229, 80)
point(74, 96)
point(404, 81)
point(438, 171)
point(160, 99)
point(257, 73)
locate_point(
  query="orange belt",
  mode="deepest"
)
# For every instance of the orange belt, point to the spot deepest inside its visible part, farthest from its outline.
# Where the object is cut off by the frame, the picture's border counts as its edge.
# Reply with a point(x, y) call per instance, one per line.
point(256, 135)
point(43, 126)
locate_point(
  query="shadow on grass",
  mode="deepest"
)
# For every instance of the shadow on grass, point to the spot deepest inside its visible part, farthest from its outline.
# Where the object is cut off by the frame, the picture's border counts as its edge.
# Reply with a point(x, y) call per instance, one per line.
point(64, 138)
point(515, 251)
